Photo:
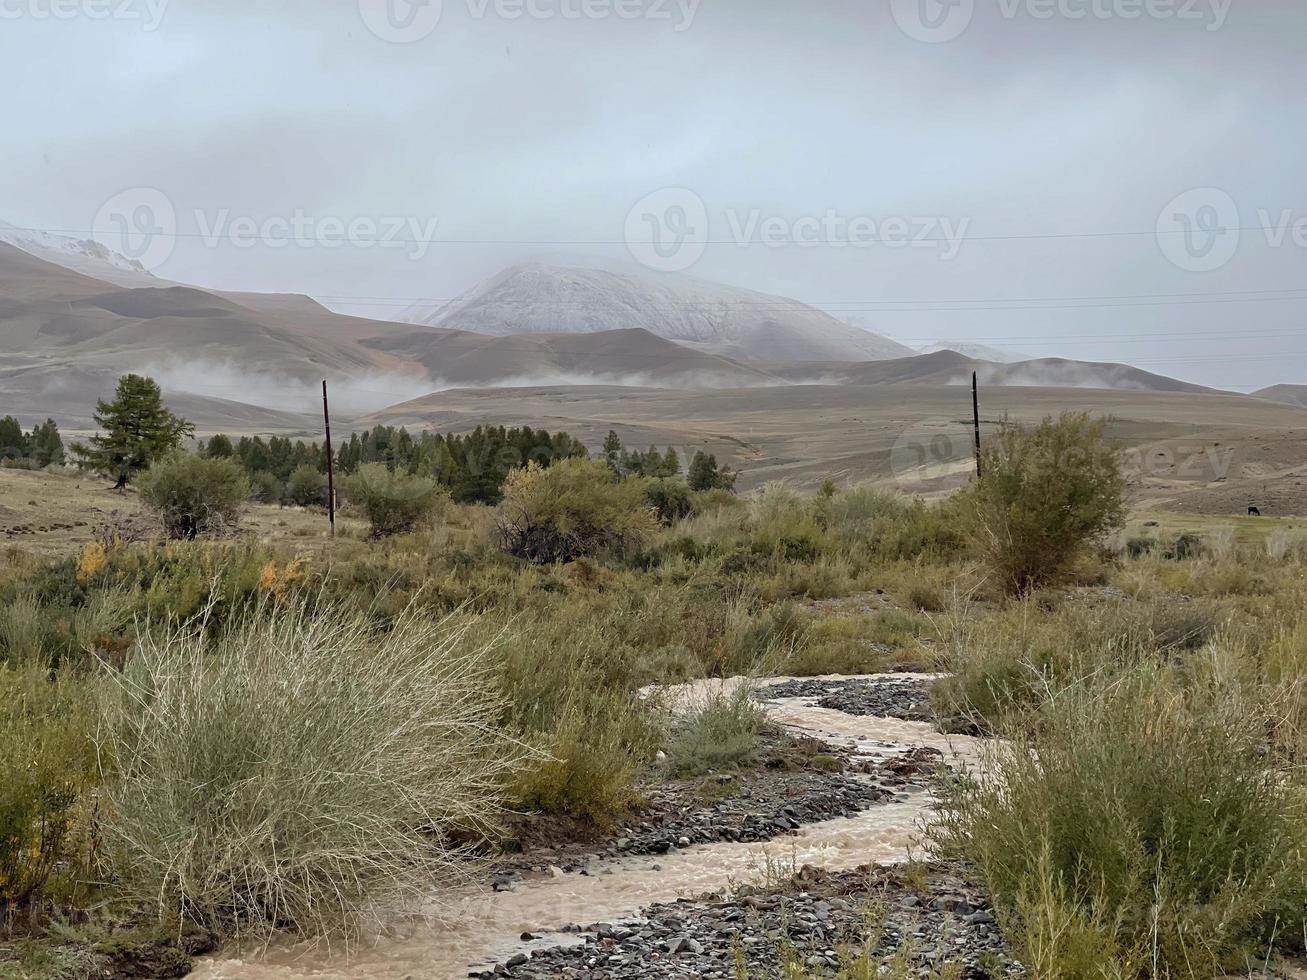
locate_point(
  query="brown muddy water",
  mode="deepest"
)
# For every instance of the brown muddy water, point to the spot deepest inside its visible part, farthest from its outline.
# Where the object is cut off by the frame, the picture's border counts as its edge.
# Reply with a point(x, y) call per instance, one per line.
point(474, 927)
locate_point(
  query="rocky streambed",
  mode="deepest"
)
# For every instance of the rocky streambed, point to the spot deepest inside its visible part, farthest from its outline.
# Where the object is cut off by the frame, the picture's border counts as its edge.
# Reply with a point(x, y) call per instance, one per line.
point(712, 837)
point(928, 917)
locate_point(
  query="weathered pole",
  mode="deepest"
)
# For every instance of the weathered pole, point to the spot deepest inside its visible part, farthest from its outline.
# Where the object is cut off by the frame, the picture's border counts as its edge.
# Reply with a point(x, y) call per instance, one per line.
point(331, 469)
point(975, 415)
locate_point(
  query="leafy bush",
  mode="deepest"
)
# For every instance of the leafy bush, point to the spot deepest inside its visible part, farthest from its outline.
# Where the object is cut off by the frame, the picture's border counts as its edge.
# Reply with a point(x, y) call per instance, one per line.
point(265, 488)
point(299, 769)
point(47, 760)
point(670, 499)
point(394, 502)
point(719, 731)
point(1147, 811)
point(306, 487)
point(571, 671)
point(576, 508)
point(194, 494)
point(1045, 494)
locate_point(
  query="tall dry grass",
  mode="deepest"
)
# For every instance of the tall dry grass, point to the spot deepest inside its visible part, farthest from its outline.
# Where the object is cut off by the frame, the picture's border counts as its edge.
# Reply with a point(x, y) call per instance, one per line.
point(299, 771)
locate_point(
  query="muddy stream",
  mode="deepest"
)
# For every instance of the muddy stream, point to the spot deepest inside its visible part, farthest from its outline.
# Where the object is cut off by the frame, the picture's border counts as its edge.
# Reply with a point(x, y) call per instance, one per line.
point(475, 927)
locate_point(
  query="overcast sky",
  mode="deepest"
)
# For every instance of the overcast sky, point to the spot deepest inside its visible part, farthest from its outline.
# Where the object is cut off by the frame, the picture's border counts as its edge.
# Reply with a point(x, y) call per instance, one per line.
point(1087, 178)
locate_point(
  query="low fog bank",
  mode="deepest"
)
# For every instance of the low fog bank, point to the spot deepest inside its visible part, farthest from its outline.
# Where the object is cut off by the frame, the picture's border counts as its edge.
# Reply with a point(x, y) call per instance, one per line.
point(353, 395)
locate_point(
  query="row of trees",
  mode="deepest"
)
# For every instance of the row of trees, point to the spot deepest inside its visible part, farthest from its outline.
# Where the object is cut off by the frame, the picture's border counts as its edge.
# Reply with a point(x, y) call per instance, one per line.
point(472, 467)
point(41, 447)
point(137, 428)
point(703, 474)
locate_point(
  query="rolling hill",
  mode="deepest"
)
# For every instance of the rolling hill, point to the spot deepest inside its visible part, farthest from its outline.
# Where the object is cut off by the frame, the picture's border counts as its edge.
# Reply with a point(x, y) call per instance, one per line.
point(950, 367)
point(539, 297)
point(1285, 394)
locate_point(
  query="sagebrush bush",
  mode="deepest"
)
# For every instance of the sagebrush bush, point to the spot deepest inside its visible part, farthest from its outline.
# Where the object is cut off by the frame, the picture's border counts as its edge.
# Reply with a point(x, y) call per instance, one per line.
point(394, 502)
point(670, 499)
point(194, 494)
point(720, 730)
point(571, 675)
point(298, 769)
point(1145, 803)
point(47, 763)
point(575, 508)
point(306, 487)
point(1045, 494)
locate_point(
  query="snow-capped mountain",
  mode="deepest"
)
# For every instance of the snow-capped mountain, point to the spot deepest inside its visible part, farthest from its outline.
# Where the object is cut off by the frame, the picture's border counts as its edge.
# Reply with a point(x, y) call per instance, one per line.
point(540, 297)
point(83, 255)
point(979, 352)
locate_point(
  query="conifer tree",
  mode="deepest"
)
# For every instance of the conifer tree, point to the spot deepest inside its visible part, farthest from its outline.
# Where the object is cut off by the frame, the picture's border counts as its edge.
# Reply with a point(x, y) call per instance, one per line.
point(138, 429)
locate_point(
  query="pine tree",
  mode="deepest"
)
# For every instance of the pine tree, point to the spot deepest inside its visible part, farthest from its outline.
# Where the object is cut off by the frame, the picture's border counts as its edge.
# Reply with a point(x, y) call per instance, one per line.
point(13, 444)
point(704, 474)
point(46, 446)
point(671, 463)
point(219, 447)
point(613, 452)
point(138, 429)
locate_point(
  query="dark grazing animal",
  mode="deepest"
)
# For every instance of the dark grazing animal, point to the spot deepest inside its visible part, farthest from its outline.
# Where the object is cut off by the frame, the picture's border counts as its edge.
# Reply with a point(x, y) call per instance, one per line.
point(1254, 512)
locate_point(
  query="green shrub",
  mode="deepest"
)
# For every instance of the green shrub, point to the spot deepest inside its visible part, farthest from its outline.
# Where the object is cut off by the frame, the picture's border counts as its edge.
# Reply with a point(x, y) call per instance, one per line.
point(47, 761)
point(194, 494)
point(1146, 805)
point(265, 488)
point(1046, 493)
point(670, 499)
point(394, 502)
point(306, 487)
point(722, 730)
point(575, 508)
point(299, 769)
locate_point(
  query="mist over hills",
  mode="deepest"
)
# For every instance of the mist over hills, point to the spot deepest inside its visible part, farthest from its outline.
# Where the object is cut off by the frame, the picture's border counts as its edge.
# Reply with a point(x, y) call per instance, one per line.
point(74, 316)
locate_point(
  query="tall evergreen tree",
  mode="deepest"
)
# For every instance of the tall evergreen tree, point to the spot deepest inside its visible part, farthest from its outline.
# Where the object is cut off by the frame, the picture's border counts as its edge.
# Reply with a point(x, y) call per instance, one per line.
point(138, 429)
point(613, 452)
point(13, 444)
point(45, 446)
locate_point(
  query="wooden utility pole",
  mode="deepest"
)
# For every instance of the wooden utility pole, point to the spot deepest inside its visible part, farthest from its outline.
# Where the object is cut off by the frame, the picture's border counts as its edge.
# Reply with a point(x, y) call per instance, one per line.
point(331, 469)
point(975, 415)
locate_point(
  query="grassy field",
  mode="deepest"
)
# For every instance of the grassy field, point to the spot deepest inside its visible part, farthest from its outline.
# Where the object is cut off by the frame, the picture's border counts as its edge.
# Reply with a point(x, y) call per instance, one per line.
point(1167, 681)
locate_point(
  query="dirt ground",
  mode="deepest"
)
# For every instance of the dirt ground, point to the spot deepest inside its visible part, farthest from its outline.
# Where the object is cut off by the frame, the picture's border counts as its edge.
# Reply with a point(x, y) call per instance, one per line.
point(53, 515)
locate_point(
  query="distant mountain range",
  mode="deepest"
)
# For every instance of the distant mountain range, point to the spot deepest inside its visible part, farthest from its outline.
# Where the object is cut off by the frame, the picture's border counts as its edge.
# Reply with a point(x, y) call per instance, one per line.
point(981, 352)
point(541, 298)
point(74, 316)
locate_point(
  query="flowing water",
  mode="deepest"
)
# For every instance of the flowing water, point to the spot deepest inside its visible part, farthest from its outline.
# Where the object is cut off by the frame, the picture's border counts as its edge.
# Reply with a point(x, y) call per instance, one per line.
point(477, 927)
